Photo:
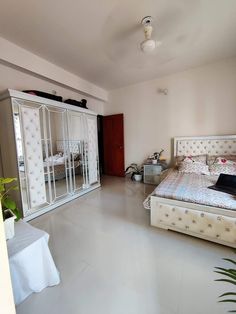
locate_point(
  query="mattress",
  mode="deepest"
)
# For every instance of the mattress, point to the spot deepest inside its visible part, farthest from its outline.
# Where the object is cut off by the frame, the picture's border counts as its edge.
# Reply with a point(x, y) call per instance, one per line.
point(190, 187)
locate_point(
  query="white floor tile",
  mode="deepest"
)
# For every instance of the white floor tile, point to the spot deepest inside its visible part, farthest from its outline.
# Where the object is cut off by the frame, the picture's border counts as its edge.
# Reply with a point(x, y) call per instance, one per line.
point(112, 262)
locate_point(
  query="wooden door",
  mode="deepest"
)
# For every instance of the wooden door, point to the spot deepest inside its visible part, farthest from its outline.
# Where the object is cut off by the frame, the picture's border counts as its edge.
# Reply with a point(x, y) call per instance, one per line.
point(113, 145)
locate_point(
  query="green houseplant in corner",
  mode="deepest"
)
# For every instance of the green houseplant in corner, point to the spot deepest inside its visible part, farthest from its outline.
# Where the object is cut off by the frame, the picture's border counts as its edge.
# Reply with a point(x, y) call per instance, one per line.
point(136, 172)
point(10, 211)
point(229, 277)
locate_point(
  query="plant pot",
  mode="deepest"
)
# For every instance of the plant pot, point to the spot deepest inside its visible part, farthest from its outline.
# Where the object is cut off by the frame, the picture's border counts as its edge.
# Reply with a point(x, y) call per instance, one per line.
point(138, 177)
point(9, 224)
point(154, 161)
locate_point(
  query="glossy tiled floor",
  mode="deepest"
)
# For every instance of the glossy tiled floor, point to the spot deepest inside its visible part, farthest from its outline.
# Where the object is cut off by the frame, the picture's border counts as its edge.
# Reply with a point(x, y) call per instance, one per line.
point(112, 262)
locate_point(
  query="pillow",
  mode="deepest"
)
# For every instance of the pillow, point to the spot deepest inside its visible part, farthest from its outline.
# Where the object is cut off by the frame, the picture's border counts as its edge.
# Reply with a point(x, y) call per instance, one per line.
point(198, 158)
point(217, 169)
point(224, 161)
point(53, 158)
point(194, 167)
point(212, 159)
point(59, 161)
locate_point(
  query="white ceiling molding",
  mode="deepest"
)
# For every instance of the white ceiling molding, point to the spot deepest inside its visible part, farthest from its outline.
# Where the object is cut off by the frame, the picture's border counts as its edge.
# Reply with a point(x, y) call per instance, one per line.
point(19, 57)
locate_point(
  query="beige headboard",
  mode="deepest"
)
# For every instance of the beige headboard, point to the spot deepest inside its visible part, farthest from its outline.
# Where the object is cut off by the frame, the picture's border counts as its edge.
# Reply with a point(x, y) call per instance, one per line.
point(74, 146)
point(210, 145)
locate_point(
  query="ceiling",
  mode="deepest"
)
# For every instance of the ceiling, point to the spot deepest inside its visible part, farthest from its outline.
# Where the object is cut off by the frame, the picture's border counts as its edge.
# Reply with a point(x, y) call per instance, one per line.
point(99, 40)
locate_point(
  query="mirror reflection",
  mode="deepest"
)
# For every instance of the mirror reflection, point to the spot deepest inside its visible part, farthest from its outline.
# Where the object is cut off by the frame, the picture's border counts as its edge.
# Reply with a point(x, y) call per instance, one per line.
point(56, 154)
point(20, 156)
point(76, 144)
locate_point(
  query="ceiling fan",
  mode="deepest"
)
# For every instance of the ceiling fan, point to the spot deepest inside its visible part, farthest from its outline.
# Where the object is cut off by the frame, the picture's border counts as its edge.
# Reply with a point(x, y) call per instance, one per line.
point(149, 44)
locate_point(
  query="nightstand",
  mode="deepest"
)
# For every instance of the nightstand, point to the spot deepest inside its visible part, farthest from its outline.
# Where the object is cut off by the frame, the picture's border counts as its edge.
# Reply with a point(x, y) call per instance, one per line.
point(151, 173)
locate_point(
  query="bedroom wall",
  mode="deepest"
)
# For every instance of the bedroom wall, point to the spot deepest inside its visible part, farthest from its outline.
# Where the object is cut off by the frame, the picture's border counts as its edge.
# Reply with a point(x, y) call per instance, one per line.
point(21, 58)
point(18, 79)
point(200, 101)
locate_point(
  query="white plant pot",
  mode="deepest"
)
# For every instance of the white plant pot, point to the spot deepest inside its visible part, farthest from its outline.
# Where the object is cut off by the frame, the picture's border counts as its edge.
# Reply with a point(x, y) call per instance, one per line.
point(9, 225)
point(154, 161)
point(138, 177)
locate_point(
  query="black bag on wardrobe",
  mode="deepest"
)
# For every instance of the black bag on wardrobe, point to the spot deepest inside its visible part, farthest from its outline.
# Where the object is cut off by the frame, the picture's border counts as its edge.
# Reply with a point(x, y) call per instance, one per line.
point(77, 103)
point(43, 94)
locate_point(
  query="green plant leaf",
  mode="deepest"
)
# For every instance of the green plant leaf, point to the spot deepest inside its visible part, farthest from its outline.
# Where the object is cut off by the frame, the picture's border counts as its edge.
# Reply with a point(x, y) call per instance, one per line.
point(229, 260)
point(226, 274)
point(8, 180)
point(227, 300)
point(16, 212)
point(134, 169)
point(227, 293)
point(2, 187)
point(9, 203)
point(226, 280)
point(229, 270)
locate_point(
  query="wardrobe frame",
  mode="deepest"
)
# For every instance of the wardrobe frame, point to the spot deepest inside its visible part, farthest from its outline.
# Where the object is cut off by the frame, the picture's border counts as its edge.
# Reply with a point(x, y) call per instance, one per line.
point(8, 146)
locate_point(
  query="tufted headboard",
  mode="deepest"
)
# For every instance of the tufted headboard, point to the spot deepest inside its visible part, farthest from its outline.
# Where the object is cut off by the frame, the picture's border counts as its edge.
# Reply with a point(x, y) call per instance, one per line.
point(210, 145)
point(74, 146)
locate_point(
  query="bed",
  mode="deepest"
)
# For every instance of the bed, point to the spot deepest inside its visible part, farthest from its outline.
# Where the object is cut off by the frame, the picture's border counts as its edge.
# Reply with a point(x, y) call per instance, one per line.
point(56, 164)
point(183, 203)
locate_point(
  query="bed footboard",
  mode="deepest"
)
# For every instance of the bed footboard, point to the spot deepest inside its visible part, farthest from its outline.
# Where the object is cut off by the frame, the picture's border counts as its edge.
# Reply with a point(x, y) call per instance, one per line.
point(206, 222)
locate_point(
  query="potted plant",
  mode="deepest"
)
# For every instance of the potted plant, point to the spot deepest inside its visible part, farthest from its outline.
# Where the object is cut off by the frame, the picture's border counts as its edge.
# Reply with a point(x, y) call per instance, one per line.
point(136, 172)
point(10, 211)
point(229, 277)
point(156, 156)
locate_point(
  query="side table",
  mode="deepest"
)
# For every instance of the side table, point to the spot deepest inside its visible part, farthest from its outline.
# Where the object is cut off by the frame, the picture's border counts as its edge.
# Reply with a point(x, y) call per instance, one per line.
point(151, 173)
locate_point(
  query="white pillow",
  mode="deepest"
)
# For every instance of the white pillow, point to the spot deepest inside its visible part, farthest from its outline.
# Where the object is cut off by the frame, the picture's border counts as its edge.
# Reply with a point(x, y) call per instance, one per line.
point(194, 167)
point(224, 161)
point(217, 169)
point(59, 161)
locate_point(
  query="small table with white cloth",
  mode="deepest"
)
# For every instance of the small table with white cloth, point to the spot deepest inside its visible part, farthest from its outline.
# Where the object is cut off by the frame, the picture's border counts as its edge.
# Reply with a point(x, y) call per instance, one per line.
point(31, 263)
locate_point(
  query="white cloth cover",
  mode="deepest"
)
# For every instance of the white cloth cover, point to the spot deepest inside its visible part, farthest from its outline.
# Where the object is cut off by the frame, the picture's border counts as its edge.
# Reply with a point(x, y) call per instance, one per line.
point(31, 264)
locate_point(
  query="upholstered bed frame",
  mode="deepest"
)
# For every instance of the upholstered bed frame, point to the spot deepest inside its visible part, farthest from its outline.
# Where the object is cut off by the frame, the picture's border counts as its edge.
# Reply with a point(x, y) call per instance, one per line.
point(206, 222)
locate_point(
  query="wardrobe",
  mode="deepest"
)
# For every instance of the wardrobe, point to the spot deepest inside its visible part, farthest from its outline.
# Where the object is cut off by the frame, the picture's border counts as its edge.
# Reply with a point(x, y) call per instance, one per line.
point(50, 147)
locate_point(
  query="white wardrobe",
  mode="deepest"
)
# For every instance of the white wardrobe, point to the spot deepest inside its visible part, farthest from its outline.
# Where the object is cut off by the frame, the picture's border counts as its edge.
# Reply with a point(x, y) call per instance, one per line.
point(51, 147)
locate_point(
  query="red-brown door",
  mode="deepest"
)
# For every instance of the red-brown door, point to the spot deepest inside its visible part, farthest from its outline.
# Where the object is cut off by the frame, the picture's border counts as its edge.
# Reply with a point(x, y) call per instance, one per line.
point(113, 141)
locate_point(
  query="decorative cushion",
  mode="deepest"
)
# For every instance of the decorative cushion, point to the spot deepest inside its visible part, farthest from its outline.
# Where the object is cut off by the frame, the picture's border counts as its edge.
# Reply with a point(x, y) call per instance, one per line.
point(193, 167)
point(198, 158)
point(224, 161)
point(217, 169)
point(216, 159)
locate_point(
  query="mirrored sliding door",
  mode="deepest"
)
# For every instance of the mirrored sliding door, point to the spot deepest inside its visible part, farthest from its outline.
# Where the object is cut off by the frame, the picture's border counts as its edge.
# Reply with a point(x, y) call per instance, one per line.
point(77, 147)
point(57, 159)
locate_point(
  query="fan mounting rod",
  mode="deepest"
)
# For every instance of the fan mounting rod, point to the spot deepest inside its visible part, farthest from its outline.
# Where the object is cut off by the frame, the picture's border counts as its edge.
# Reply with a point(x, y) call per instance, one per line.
point(147, 26)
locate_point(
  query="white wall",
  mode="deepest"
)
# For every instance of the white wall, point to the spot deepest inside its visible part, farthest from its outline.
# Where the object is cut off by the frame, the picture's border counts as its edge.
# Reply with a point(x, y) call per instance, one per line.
point(200, 101)
point(18, 79)
point(24, 59)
